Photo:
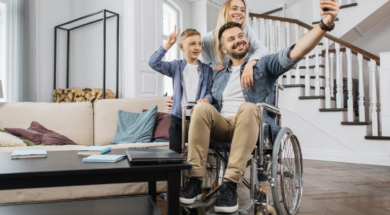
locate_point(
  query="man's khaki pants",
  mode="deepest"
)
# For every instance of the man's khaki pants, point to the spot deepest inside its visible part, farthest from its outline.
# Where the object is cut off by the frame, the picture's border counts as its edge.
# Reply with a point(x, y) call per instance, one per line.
point(207, 124)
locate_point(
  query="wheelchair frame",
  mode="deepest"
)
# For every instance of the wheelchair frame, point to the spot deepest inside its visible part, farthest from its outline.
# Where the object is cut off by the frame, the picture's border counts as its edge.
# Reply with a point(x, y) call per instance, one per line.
point(257, 196)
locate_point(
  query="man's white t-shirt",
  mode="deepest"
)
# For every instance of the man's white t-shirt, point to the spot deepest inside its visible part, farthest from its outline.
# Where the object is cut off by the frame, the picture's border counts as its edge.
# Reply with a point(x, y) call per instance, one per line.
point(232, 96)
point(190, 83)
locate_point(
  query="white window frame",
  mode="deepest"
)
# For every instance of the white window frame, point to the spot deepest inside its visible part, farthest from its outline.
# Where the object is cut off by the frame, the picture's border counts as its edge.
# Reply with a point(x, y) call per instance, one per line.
point(175, 18)
point(3, 48)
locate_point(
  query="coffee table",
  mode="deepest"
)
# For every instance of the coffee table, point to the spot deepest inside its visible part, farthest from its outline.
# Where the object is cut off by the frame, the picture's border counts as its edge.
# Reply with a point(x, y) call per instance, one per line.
point(65, 168)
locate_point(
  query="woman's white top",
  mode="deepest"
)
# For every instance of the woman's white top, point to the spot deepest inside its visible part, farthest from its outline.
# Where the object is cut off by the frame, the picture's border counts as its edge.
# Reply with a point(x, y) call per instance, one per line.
point(209, 57)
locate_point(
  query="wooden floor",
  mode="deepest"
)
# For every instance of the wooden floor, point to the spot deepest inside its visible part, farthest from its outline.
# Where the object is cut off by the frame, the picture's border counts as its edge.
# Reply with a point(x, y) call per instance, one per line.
point(332, 188)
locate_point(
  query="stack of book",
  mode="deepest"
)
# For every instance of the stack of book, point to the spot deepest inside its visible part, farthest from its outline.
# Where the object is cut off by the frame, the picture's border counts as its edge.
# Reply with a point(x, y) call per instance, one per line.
point(94, 150)
point(21, 154)
point(103, 158)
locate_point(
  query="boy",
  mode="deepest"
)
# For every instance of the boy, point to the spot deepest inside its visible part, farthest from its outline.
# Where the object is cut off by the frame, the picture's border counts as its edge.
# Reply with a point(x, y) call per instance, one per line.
point(192, 80)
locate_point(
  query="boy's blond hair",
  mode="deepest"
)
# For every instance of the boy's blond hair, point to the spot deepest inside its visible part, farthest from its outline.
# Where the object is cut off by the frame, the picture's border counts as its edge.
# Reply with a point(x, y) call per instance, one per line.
point(189, 32)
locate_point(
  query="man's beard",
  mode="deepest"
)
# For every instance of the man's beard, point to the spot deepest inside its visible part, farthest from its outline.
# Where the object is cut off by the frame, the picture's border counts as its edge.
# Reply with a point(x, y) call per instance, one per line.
point(237, 55)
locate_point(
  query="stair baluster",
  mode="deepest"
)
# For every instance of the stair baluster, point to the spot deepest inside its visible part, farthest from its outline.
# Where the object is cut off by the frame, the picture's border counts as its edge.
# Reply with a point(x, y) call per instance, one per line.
point(327, 78)
point(339, 87)
point(297, 73)
point(349, 84)
point(379, 103)
point(374, 114)
point(362, 108)
point(331, 57)
point(263, 31)
point(288, 74)
point(317, 70)
point(307, 74)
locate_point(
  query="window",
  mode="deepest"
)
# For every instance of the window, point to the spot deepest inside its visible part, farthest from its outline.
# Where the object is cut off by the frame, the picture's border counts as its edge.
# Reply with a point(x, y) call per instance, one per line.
point(170, 19)
point(2, 44)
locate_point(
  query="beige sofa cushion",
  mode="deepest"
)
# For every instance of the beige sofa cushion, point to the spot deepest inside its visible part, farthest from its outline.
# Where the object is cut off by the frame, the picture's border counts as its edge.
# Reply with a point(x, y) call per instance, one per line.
point(106, 114)
point(74, 120)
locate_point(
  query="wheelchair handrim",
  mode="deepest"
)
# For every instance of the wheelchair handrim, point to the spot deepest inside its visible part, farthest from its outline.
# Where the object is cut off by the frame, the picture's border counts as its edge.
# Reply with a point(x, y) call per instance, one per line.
point(274, 172)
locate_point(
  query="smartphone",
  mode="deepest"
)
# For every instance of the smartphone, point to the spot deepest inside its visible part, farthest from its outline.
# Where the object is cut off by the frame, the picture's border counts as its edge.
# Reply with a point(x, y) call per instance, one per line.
point(325, 9)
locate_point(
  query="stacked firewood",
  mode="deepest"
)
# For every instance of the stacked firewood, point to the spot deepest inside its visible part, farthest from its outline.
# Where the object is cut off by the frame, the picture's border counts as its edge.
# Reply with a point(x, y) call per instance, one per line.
point(81, 95)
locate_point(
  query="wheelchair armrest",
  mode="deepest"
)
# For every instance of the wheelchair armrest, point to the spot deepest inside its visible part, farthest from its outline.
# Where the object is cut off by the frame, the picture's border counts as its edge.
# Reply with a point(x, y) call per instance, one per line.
point(189, 105)
point(269, 107)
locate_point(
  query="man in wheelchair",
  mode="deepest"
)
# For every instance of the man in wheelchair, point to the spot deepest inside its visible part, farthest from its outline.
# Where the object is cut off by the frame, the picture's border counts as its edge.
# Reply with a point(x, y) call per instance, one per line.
point(233, 116)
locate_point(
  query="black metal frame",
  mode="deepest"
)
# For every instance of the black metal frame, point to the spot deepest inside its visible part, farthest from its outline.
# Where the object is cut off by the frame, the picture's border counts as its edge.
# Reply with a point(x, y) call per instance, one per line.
point(104, 19)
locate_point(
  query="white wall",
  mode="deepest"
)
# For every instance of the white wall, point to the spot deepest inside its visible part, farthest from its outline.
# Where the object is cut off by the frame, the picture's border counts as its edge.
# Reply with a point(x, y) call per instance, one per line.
point(199, 16)
point(262, 6)
point(186, 9)
point(86, 55)
point(49, 13)
point(300, 10)
point(87, 45)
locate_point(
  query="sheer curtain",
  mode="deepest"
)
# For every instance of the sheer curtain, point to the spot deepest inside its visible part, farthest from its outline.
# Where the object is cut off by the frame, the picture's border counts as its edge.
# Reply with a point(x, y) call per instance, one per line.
point(19, 82)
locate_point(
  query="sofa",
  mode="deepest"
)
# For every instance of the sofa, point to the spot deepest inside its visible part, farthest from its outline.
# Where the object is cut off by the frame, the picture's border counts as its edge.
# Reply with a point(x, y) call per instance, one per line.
point(86, 126)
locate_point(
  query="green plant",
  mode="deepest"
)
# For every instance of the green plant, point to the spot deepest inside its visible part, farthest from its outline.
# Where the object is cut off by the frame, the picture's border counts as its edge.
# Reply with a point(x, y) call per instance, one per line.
point(165, 94)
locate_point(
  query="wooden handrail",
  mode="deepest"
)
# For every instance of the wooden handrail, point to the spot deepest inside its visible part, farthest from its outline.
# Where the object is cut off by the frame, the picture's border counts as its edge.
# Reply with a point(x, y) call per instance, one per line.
point(355, 49)
point(273, 11)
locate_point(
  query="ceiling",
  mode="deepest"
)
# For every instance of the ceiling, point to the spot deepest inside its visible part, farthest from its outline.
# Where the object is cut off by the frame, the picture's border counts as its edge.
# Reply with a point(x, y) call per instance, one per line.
point(368, 24)
point(259, 6)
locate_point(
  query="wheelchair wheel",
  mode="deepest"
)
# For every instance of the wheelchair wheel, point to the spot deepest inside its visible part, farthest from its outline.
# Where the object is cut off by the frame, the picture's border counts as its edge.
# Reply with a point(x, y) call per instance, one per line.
point(214, 175)
point(287, 172)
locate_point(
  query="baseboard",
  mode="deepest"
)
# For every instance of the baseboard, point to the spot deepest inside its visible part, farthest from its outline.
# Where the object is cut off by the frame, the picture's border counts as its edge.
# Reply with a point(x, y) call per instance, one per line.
point(358, 158)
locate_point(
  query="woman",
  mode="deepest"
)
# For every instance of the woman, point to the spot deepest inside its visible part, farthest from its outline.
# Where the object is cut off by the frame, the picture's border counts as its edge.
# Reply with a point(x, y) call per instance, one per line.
point(231, 11)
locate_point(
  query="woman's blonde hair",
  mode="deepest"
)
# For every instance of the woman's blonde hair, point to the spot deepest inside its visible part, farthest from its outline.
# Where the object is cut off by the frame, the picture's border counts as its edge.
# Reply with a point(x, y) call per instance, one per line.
point(223, 19)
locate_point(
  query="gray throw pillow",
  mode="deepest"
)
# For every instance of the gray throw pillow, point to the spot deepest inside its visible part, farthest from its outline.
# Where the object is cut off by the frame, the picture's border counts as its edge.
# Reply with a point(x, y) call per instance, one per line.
point(135, 127)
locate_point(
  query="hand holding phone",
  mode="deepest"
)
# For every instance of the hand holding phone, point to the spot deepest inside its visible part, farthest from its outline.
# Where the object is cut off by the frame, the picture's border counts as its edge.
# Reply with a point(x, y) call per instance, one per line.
point(325, 9)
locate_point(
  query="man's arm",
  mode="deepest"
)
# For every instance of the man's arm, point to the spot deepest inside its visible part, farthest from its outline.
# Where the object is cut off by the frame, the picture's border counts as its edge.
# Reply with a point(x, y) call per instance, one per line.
point(310, 40)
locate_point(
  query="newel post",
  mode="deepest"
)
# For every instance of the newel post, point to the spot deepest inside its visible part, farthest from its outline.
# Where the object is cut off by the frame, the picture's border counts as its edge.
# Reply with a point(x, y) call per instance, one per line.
point(385, 92)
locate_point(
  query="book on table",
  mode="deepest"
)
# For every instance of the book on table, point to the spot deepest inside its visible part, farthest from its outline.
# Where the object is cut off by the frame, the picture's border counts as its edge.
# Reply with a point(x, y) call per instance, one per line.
point(103, 158)
point(94, 150)
point(21, 154)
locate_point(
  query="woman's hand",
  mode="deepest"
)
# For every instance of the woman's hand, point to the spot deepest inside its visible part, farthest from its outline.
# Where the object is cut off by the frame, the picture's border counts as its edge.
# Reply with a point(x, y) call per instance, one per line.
point(203, 100)
point(247, 76)
point(219, 67)
point(168, 103)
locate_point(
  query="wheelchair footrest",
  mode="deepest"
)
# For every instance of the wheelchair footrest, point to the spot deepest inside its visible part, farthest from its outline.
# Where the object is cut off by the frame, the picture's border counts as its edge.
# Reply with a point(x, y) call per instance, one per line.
point(200, 203)
point(242, 210)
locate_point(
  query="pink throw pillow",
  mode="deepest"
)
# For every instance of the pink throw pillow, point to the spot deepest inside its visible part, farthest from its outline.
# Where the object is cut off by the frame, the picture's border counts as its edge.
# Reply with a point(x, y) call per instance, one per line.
point(41, 135)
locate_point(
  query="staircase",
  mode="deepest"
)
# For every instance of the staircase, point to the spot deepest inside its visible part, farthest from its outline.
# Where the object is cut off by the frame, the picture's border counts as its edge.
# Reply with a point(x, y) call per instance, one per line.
point(327, 128)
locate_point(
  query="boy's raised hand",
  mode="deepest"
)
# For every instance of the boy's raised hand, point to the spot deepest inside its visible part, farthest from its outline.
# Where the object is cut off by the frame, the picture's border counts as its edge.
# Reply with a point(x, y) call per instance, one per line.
point(172, 39)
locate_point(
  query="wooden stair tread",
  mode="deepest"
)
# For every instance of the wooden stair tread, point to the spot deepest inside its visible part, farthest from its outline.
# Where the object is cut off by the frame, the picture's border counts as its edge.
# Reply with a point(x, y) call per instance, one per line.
point(348, 5)
point(311, 97)
point(355, 123)
point(302, 76)
point(300, 85)
point(377, 137)
point(312, 66)
point(333, 109)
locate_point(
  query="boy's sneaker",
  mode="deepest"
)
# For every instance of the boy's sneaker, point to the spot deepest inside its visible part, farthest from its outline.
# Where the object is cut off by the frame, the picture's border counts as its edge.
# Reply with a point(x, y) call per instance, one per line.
point(191, 191)
point(227, 201)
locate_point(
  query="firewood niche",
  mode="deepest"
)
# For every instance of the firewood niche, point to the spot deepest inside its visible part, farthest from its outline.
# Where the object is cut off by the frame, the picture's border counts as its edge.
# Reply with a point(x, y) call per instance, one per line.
point(81, 95)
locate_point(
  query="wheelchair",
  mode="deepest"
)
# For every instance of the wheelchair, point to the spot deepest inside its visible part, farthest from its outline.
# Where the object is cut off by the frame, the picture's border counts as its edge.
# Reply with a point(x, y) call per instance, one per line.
point(279, 162)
